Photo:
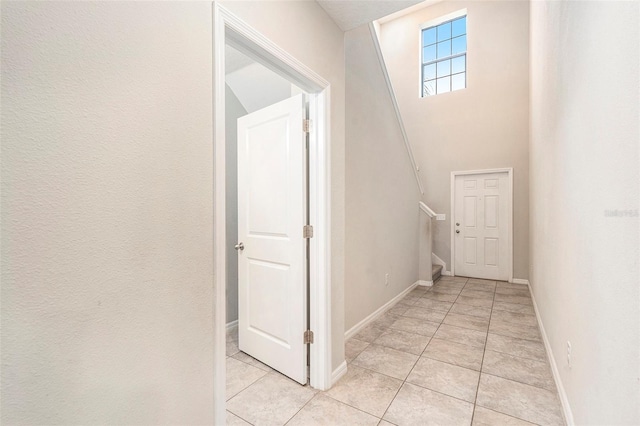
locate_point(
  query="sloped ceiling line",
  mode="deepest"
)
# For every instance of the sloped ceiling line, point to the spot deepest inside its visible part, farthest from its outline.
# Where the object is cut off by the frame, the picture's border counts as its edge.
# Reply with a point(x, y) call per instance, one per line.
point(376, 43)
point(350, 14)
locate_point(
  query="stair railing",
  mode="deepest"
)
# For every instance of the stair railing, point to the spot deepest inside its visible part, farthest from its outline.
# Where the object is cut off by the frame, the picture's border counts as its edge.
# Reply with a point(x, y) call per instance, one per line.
point(426, 244)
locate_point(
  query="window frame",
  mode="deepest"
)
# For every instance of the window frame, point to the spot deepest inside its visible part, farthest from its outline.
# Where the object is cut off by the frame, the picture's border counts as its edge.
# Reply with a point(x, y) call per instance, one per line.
point(433, 23)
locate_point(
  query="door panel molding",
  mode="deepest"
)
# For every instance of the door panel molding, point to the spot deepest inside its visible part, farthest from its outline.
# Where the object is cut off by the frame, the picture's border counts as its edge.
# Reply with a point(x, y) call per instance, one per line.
point(508, 219)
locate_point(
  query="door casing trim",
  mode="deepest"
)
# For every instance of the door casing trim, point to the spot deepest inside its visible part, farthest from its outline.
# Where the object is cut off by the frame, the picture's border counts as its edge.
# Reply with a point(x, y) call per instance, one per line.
point(509, 171)
point(229, 29)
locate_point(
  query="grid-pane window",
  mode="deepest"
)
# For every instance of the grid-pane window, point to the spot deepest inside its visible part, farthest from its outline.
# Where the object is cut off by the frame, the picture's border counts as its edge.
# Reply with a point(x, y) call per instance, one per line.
point(444, 57)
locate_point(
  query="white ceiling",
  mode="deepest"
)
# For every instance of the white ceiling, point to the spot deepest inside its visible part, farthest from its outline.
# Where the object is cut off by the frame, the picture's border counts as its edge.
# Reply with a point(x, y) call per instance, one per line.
point(350, 14)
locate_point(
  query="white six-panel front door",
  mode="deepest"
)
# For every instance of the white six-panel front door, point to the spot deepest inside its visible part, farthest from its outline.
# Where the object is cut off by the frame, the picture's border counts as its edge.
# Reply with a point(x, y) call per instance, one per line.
point(272, 291)
point(481, 225)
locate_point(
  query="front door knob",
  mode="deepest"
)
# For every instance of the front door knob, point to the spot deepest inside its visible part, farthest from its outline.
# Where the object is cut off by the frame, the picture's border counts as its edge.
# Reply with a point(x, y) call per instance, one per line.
point(457, 231)
point(239, 246)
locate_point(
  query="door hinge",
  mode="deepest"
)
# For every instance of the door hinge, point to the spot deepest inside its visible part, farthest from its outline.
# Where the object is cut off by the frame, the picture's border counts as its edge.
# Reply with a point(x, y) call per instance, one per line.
point(307, 231)
point(308, 337)
point(306, 125)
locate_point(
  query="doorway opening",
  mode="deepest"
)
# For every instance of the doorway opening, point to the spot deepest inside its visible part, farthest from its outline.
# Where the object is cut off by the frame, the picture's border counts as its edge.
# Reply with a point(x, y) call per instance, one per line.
point(232, 34)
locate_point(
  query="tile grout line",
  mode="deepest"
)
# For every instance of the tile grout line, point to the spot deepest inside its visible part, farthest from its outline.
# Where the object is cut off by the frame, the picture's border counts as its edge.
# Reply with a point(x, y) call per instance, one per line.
point(301, 408)
point(449, 310)
point(485, 343)
point(395, 378)
point(504, 378)
point(414, 364)
point(241, 418)
point(419, 356)
point(246, 387)
point(517, 381)
point(480, 372)
point(450, 325)
point(508, 415)
point(513, 337)
point(433, 336)
point(411, 370)
point(352, 406)
point(447, 362)
point(251, 365)
point(404, 381)
point(512, 355)
point(475, 402)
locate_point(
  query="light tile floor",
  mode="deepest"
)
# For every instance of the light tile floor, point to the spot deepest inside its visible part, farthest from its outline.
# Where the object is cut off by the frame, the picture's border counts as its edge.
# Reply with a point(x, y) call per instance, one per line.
point(465, 351)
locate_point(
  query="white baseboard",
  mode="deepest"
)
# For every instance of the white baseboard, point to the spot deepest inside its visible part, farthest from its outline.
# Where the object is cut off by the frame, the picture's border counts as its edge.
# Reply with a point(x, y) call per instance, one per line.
point(338, 373)
point(425, 283)
point(231, 325)
point(564, 400)
point(381, 310)
point(520, 281)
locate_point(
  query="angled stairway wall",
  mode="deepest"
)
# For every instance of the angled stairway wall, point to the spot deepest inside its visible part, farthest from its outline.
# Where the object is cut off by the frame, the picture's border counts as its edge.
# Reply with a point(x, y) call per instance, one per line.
point(381, 191)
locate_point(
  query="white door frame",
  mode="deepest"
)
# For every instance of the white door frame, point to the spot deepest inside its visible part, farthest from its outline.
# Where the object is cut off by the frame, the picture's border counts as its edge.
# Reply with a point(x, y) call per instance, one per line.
point(229, 29)
point(509, 171)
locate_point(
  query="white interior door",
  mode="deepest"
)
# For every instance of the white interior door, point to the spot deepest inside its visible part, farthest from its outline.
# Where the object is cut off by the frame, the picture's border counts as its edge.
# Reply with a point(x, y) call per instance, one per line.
point(272, 290)
point(482, 218)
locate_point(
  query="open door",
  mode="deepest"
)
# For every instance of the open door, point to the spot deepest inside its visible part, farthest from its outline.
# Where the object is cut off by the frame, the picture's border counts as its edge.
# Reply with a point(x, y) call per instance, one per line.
point(272, 287)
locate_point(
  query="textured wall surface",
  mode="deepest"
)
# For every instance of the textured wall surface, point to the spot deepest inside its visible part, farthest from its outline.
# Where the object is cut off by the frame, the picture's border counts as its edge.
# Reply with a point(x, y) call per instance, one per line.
point(382, 193)
point(484, 126)
point(106, 226)
point(305, 31)
point(585, 186)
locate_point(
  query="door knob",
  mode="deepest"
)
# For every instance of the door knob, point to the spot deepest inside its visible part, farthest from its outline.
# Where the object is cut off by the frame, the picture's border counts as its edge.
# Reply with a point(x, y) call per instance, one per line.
point(239, 246)
point(457, 231)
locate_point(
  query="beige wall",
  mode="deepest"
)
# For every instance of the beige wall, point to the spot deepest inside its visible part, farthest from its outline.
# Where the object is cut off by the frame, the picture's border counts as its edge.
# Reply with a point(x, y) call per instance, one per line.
point(107, 177)
point(483, 126)
point(107, 302)
point(306, 32)
point(584, 165)
point(382, 192)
